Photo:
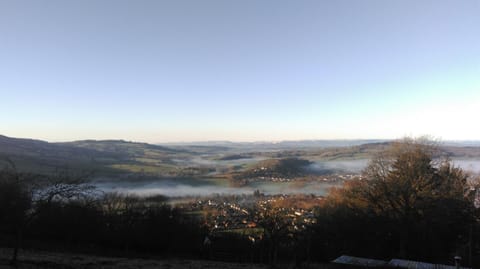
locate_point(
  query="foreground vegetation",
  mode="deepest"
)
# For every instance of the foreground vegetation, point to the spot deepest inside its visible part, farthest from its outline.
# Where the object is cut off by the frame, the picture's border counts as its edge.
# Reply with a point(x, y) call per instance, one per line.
point(409, 203)
point(35, 259)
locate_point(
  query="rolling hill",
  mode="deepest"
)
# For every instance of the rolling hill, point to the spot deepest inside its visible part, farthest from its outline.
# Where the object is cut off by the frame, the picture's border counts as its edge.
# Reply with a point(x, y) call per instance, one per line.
point(101, 157)
point(119, 157)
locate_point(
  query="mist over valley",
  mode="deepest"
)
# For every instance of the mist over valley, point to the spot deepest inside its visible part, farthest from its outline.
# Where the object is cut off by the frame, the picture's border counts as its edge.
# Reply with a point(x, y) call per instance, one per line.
point(210, 168)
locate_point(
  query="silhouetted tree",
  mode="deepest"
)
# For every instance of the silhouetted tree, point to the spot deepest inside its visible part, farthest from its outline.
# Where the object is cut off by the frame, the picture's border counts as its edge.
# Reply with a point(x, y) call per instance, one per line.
point(275, 227)
point(21, 196)
point(15, 203)
point(411, 195)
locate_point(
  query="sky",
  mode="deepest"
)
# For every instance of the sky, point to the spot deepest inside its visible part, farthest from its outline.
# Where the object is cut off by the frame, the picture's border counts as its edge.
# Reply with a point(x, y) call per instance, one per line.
point(271, 70)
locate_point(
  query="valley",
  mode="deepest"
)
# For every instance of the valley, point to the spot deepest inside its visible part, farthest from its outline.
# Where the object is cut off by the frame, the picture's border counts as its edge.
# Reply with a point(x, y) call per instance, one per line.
point(178, 170)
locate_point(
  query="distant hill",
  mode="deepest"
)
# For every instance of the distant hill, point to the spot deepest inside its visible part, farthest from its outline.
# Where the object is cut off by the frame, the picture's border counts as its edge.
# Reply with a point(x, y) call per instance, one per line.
point(329, 149)
point(465, 152)
point(367, 151)
point(119, 157)
point(31, 147)
point(462, 143)
point(364, 151)
point(277, 168)
point(42, 157)
point(122, 148)
point(275, 146)
point(108, 156)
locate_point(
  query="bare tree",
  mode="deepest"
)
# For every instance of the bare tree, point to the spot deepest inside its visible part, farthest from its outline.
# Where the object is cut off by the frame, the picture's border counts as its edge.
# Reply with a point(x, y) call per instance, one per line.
point(63, 186)
point(275, 229)
point(15, 204)
point(21, 194)
point(406, 183)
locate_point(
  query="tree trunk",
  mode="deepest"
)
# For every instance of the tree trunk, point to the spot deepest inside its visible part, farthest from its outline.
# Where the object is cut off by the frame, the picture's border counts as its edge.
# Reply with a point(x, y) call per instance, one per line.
point(18, 242)
point(403, 242)
point(275, 256)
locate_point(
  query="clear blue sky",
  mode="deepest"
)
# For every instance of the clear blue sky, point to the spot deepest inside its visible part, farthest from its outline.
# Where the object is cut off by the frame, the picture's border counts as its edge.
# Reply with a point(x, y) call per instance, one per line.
point(246, 70)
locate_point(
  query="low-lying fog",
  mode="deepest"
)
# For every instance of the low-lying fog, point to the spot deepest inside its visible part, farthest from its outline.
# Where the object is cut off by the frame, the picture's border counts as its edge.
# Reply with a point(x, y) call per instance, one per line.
point(470, 165)
point(332, 167)
point(356, 166)
point(205, 187)
point(182, 188)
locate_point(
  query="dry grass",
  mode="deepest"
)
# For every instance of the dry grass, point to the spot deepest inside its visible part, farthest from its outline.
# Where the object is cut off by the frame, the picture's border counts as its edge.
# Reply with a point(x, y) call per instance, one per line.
point(41, 259)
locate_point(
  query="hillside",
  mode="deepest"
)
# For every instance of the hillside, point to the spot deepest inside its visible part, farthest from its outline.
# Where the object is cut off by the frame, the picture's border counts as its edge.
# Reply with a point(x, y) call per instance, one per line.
point(119, 157)
point(277, 168)
point(43, 259)
point(122, 148)
point(38, 156)
point(367, 151)
point(101, 157)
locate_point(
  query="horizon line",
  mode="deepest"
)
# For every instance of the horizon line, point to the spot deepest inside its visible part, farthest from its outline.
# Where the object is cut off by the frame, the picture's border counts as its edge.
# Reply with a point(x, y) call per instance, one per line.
point(230, 141)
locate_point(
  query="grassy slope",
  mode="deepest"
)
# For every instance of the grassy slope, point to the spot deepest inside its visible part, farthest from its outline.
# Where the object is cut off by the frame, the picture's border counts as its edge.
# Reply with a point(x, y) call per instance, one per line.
point(101, 157)
point(43, 259)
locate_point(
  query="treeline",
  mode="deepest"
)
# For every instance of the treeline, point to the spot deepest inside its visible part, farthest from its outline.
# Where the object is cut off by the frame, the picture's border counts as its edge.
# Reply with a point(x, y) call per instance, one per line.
point(67, 214)
point(410, 204)
point(122, 225)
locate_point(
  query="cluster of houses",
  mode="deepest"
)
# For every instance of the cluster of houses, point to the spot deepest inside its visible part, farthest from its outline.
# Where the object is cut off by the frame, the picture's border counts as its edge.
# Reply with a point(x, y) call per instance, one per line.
point(324, 178)
point(223, 215)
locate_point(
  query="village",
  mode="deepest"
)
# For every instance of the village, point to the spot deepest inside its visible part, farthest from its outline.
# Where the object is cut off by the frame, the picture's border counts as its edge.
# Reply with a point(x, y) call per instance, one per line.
point(248, 215)
point(329, 178)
